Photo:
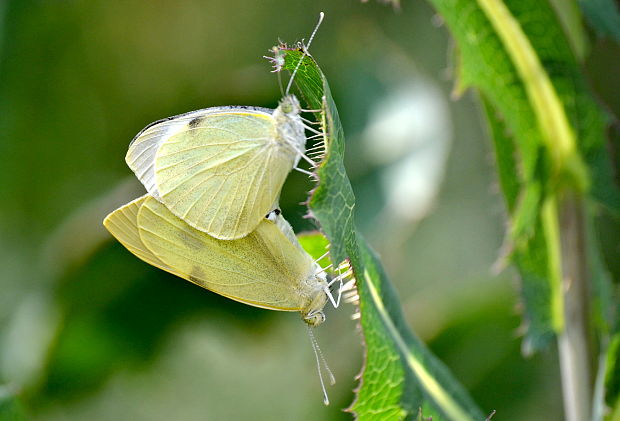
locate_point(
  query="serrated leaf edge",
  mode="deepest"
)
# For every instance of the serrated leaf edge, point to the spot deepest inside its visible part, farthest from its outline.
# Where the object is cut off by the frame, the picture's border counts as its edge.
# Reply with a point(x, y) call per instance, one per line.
point(557, 132)
point(442, 399)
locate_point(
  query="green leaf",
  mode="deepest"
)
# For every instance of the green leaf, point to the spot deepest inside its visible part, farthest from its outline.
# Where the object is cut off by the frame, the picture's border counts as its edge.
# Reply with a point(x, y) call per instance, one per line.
point(549, 134)
point(400, 375)
point(570, 17)
point(526, 238)
point(536, 291)
point(507, 161)
point(516, 54)
point(11, 408)
point(604, 314)
point(612, 377)
point(314, 243)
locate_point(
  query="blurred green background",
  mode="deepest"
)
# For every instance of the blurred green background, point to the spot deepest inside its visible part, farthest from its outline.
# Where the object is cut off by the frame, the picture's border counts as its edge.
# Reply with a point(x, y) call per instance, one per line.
point(88, 331)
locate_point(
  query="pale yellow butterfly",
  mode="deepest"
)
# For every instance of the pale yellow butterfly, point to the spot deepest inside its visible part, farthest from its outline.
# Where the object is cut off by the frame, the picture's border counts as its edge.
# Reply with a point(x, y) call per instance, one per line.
point(221, 169)
point(268, 268)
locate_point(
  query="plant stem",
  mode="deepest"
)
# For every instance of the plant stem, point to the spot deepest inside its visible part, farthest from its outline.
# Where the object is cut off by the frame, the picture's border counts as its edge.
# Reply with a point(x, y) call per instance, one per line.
point(573, 339)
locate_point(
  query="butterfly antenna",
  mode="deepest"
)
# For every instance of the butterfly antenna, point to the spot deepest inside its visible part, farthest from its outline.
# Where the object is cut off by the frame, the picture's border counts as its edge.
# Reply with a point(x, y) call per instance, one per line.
point(316, 28)
point(305, 52)
point(320, 359)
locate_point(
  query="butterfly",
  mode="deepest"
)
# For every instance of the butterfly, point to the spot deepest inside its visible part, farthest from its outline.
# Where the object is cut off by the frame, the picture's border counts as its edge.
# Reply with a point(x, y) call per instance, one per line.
point(210, 216)
point(268, 268)
point(220, 169)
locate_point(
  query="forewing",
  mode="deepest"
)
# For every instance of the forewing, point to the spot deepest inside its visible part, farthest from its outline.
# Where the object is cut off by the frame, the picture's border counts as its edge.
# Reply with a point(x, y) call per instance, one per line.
point(223, 173)
point(122, 224)
point(144, 146)
point(263, 269)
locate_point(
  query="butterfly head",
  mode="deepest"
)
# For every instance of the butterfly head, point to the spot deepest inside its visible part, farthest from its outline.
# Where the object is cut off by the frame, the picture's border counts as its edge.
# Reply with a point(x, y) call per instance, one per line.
point(289, 126)
point(289, 105)
point(313, 313)
point(314, 318)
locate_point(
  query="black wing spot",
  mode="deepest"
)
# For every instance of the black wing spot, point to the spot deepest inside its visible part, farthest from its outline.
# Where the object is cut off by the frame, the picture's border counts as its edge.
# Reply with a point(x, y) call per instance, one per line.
point(194, 122)
point(271, 214)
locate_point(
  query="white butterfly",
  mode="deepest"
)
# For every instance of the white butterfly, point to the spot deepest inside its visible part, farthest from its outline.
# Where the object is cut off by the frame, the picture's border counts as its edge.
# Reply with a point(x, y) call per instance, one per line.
point(220, 169)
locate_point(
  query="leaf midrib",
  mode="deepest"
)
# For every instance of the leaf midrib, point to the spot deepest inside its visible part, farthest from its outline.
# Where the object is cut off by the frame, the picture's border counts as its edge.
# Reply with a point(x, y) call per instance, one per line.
point(556, 130)
point(443, 399)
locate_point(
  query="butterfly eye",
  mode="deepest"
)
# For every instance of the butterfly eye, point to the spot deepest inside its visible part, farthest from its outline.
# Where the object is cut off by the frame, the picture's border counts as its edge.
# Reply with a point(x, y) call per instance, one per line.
point(287, 108)
point(272, 216)
point(315, 318)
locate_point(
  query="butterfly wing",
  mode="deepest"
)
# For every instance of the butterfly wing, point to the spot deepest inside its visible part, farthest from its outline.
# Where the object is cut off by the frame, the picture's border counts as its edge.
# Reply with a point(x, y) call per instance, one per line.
point(123, 225)
point(218, 169)
point(263, 269)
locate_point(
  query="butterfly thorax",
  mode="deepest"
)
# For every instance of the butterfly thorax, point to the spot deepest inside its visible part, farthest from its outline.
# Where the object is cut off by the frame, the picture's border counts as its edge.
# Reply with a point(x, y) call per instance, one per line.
point(312, 312)
point(289, 126)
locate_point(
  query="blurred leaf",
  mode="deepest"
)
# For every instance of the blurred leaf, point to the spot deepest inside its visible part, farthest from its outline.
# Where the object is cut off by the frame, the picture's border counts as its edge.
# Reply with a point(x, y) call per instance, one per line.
point(548, 134)
point(98, 315)
point(523, 203)
point(124, 324)
point(10, 407)
point(570, 17)
point(400, 375)
point(29, 337)
point(604, 313)
point(315, 243)
point(506, 159)
point(516, 54)
point(605, 298)
point(612, 378)
point(603, 16)
point(605, 318)
point(537, 292)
